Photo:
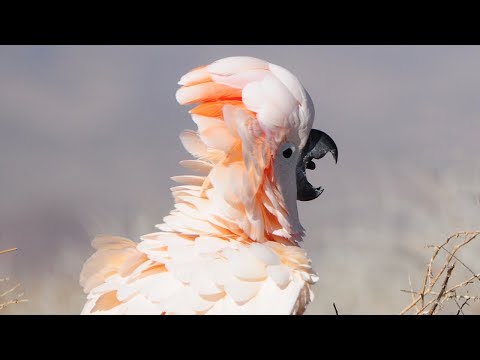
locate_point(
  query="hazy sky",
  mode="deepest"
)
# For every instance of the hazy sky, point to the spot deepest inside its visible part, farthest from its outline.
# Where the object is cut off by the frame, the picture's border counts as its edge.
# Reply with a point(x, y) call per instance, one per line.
point(89, 140)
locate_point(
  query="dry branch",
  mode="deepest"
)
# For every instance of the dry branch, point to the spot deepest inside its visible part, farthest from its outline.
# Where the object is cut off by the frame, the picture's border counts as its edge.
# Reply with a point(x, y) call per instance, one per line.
point(10, 292)
point(431, 300)
point(6, 251)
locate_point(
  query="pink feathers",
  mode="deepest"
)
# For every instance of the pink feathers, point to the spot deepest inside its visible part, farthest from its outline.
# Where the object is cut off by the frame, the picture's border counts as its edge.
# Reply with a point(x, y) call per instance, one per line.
point(247, 107)
point(230, 245)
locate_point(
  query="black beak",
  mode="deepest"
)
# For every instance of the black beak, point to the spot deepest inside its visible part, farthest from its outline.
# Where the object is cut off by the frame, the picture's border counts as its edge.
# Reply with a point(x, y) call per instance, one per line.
point(318, 145)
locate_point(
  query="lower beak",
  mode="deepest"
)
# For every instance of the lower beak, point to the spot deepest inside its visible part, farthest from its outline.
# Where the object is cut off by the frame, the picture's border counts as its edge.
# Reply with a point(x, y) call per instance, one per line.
point(317, 146)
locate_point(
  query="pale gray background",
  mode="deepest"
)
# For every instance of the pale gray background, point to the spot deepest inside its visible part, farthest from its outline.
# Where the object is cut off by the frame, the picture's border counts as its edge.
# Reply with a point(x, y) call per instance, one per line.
point(89, 140)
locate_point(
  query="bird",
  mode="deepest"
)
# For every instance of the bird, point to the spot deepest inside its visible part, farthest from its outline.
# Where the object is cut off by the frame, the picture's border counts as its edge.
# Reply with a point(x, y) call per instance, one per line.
point(233, 244)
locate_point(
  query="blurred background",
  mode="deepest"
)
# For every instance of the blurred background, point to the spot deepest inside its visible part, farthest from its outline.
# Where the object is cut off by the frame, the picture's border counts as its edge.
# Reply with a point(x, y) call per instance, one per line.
point(89, 141)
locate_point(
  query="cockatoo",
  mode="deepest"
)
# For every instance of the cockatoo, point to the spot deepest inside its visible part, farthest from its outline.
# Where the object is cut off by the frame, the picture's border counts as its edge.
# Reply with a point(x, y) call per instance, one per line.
point(232, 245)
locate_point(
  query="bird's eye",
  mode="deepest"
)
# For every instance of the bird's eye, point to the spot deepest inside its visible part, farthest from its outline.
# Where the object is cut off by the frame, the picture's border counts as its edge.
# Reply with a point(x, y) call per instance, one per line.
point(287, 153)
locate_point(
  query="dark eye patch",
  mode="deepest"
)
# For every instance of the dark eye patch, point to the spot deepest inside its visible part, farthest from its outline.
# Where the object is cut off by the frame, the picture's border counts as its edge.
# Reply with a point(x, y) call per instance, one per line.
point(287, 153)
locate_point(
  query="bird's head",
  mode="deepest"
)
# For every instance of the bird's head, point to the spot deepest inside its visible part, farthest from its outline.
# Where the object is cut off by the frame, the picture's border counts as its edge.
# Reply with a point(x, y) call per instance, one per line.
point(254, 143)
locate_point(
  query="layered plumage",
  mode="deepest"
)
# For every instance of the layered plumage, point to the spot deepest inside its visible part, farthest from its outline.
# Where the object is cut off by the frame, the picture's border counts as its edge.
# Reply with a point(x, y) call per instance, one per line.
point(232, 243)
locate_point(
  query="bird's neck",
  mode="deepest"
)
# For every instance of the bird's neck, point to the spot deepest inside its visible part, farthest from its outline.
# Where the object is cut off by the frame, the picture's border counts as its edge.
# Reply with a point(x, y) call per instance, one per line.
point(226, 204)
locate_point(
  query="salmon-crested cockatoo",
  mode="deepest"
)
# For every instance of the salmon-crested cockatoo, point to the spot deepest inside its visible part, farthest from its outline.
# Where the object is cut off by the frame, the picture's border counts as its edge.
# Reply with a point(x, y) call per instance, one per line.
point(232, 245)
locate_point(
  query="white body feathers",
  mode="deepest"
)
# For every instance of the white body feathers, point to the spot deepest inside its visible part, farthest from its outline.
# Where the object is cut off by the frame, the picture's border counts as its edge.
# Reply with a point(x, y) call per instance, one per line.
point(231, 245)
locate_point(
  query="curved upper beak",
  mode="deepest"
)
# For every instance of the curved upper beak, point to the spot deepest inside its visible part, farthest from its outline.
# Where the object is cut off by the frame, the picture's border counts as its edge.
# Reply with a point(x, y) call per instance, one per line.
point(317, 146)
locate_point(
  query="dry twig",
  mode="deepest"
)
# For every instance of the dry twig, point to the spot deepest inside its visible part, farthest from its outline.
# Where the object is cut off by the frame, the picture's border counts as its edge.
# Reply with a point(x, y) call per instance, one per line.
point(4, 296)
point(6, 251)
point(431, 301)
point(335, 307)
